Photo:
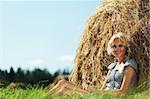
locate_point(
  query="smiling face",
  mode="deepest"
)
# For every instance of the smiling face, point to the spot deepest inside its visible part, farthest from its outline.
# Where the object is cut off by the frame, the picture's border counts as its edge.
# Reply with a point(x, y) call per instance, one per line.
point(119, 49)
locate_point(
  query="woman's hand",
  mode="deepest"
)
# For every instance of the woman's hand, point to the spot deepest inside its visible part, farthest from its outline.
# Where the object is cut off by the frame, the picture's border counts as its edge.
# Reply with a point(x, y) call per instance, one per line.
point(85, 86)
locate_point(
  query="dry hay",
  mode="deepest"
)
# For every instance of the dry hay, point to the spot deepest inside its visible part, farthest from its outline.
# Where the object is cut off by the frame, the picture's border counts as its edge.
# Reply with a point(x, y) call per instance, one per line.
point(57, 79)
point(14, 85)
point(60, 77)
point(127, 16)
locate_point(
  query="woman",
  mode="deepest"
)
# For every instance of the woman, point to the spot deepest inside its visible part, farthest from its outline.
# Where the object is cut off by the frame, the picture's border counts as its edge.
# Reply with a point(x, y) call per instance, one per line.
point(122, 74)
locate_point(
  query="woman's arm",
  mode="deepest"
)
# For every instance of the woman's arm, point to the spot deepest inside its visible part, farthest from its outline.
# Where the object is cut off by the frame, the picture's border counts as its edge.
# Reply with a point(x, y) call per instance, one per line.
point(129, 74)
point(104, 84)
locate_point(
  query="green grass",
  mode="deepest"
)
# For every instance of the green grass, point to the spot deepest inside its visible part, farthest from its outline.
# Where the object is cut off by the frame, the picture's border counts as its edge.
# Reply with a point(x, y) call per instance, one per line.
point(40, 93)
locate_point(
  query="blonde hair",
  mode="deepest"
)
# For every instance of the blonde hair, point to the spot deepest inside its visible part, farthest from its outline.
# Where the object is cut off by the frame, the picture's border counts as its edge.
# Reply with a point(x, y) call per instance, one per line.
point(122, 37)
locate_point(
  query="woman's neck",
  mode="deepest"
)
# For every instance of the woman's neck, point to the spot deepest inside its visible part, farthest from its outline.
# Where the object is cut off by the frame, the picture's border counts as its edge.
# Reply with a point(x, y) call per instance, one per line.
point(120, 59)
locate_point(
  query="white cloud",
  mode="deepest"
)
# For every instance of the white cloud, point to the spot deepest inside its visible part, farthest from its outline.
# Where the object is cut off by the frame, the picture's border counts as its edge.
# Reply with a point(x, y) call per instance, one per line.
point(67, 58)
point(36, 62)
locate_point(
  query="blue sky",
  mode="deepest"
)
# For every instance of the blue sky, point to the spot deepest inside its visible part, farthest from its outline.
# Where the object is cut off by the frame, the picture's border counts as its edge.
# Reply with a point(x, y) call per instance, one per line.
point(43, 34)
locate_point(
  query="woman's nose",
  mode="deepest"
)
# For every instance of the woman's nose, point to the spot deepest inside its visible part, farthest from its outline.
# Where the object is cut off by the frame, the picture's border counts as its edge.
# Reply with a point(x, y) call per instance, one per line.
point(115, 49)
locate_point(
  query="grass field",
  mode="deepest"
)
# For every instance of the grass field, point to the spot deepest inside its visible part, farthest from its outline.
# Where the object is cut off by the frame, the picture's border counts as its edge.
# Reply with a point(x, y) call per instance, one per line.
point(40, 93)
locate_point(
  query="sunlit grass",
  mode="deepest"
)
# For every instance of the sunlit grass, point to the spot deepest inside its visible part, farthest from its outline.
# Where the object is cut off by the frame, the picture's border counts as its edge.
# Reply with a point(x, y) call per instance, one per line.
point(32, 93)
point(40, 93)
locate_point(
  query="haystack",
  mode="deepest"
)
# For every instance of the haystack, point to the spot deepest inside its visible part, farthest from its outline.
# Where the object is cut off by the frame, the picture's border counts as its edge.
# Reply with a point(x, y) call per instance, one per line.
point(112, 16)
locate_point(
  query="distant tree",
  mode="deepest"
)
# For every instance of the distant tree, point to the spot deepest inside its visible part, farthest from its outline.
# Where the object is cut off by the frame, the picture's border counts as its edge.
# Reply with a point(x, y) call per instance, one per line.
point(57, 73)
point(2, 76)
point(39, 75)
point(11, 75)
point(20, 76)
point(65, 72)
point(28, 77)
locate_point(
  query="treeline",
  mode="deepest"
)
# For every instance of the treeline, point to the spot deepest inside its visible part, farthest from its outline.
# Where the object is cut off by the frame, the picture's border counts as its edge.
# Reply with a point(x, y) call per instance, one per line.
point(37, 76)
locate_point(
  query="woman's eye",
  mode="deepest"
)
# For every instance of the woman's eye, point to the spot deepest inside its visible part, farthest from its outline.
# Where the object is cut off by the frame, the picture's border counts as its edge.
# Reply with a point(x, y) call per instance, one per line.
point(113, 46)
point(116, 46)
point(120, 45)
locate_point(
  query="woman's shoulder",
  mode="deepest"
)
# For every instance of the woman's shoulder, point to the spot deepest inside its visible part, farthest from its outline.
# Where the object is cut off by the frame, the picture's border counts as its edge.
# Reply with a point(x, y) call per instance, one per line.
point(111, 66)
point(132, 63)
